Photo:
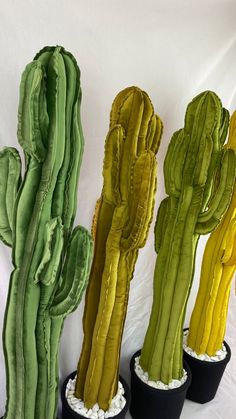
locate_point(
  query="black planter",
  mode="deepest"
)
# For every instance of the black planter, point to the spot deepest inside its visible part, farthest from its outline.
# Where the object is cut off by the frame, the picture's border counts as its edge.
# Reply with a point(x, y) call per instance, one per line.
point(151, 403)
point(68, 413)
point(206, 377)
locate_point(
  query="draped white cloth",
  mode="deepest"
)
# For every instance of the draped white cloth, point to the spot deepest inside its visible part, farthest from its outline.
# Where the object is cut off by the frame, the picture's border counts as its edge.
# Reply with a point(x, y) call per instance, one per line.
point(173, 50)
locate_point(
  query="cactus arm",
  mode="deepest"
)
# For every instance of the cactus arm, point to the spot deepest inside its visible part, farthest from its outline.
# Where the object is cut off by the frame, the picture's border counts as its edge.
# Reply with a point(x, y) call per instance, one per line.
point(75, 273)
point(162, 217)
point(10, 175)
point(154, 134)
point(211, 218)
point(224, 126)
point(51, 258)
point(144, 185)
point(31, 131)
point(168, 163)
point(111, 166)
point(218, 139)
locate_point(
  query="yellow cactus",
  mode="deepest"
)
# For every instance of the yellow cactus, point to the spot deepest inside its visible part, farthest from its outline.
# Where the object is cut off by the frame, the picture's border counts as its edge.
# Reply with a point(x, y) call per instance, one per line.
point(208, 320)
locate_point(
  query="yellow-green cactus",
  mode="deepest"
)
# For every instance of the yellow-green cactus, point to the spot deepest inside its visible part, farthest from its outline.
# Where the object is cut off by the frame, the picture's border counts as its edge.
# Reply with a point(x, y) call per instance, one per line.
point(199, 178)
point(208, 320)
point(121, 224)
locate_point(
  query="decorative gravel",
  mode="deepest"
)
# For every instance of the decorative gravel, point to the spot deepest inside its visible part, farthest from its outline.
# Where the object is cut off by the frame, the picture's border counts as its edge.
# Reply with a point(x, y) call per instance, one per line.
point(219, 355)
point(117, 404)
point(157, 384)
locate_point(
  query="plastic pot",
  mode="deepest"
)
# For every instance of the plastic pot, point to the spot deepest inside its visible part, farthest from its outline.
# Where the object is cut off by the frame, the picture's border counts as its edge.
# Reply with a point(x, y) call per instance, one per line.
point(151, 403)
point(68, 413)
point(206, 377)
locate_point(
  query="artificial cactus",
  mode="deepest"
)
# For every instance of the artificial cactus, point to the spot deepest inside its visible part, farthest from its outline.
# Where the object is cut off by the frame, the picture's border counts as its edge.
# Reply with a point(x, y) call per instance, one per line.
point(199, 177)
point(208, 320)
point(121, 223)
point(51, 262)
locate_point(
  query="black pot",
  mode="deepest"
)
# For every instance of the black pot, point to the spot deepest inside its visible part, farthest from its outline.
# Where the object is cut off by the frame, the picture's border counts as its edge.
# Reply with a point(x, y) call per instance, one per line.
point(151, 403)
point(68, 413)
point(206, 377)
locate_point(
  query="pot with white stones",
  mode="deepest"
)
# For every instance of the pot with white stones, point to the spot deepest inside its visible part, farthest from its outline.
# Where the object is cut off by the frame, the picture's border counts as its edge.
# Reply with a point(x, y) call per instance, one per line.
point(73, 408)
point(154, 399)
point(207, 371)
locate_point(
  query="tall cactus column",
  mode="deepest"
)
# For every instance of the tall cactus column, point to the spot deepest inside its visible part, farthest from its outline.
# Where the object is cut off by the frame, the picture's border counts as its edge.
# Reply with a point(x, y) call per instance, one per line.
point(51, 262)
point(199, 177)
point(208, 320)
point(121, 225)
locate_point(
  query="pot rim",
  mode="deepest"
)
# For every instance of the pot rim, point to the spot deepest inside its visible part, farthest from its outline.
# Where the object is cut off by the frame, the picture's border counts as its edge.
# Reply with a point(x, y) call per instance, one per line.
point(167, 392)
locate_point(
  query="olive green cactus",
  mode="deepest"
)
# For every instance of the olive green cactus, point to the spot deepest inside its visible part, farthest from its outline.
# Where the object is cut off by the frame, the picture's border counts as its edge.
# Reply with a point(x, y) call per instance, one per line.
point(199, 178)
point(121, 224)
point(51, 262)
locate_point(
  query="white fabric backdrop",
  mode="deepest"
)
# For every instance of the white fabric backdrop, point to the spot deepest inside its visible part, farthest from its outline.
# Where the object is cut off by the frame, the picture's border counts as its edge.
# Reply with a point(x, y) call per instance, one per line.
point(173, 50)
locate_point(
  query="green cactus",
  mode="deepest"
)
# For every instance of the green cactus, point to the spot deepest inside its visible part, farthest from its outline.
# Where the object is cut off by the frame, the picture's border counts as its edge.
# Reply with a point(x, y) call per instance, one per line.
point(51, 262)
point(121, 224)
point(199, 178)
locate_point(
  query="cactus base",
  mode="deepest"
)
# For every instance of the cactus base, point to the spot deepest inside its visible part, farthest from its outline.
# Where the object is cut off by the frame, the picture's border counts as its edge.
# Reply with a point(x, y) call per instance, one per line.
point(152, 403)
point(68, 413)
point(206, 377)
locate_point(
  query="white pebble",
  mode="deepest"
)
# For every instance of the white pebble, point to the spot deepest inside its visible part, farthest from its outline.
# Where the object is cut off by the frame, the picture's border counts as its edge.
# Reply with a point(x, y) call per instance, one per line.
point(220, 354)
point(117, 404)
point(123, 403)
point(152, 384)
point(95, 408)
point(143, 375)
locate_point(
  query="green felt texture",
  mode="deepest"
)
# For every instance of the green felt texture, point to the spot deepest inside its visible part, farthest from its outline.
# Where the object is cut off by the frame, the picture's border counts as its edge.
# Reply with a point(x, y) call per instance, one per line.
point(10, 179)
point(121, 224)
point(51, 261)
point(199, 178)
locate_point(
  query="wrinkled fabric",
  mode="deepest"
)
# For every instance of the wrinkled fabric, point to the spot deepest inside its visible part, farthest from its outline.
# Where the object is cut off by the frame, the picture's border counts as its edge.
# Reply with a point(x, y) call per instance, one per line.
point(174, 50)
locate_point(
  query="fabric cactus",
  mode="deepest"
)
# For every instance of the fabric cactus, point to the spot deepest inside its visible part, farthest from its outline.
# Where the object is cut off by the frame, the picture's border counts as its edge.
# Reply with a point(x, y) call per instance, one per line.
point(51, 262)
point(199, 177)
point(208, 320)
point(121, 224)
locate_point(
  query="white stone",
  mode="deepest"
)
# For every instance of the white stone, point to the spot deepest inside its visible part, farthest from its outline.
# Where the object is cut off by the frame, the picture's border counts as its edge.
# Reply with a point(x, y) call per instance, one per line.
point(152, 384)
point(220, 354)
point(95, 408)
point(123, 403)
point(117, 404)
point(143, 375)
